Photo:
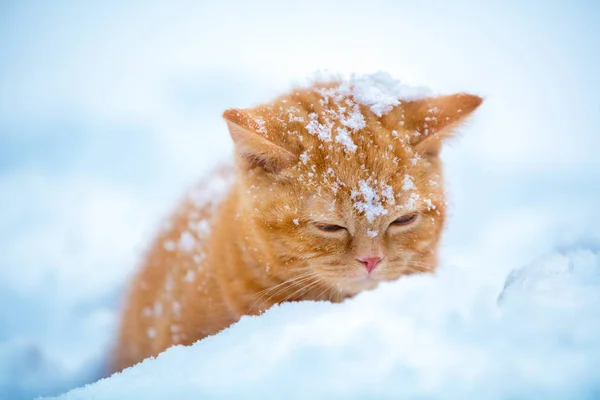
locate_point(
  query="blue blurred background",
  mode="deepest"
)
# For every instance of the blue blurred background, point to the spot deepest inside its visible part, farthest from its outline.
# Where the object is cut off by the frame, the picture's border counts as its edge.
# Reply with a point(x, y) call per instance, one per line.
point(109, 110)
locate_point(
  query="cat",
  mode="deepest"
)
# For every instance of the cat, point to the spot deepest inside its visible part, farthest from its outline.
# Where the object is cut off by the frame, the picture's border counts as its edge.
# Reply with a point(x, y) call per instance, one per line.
point(337, 186)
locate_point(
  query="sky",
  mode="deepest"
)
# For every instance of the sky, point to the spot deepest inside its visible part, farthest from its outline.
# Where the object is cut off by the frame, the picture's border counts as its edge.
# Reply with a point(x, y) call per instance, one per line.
point(108, 111)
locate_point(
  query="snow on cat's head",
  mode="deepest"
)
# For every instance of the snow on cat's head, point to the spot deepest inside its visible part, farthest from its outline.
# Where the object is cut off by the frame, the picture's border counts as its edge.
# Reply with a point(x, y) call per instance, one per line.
point(341, 181)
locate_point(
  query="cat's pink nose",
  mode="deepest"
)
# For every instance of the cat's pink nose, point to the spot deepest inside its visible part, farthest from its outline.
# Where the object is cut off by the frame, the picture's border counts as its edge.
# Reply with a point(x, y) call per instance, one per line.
point(369, 262)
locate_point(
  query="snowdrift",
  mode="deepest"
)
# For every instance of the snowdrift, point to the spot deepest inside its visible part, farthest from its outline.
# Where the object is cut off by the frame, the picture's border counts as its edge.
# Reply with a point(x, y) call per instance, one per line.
point(443, 336)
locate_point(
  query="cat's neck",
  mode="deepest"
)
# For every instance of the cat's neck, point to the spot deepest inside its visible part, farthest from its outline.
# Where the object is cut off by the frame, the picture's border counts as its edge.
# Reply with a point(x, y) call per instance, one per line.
point(247, 257)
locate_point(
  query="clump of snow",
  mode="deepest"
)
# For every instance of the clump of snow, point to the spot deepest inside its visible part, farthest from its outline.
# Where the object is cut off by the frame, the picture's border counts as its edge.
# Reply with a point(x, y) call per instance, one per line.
point(429, 204)
point(380, 91)
point(169, 245)
point(343, 137)
point(261, 125)
point(314, 127)
point(304, 157)
point(407, 183)
point(202, 228)
point(388, 192)
point(355, 121)
point(372, 233)
point(187, 242)
point(411, 202)
point(425, 336)
point(367, 199)
point(190, 276)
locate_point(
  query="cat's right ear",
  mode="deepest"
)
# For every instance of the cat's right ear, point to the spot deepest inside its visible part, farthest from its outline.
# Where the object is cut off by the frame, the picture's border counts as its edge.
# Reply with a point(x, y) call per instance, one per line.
point(254, 147)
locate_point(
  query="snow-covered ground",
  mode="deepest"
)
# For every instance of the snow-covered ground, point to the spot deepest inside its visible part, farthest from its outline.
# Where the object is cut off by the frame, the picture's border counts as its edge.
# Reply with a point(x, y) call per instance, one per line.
point(421, 337)
point(107, 113)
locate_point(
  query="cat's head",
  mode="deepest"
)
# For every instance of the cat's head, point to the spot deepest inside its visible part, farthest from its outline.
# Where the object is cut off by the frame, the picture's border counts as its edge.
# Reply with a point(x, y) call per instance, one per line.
point(342, 182)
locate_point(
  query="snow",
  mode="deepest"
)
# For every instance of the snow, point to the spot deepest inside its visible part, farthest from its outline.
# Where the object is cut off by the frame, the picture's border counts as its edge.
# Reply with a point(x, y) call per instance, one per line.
point(344, 138)
point(187, 242)
point(355, 121)
point(416, 338)
point(304, 157)
point(372, 233)
point(380, 91)
point(322, 130)
point(367, 199)
point(407, 183)
point(95, 152)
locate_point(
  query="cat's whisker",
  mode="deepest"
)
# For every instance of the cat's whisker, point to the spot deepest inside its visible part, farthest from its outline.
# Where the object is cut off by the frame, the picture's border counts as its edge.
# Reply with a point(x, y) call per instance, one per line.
point(266, 295)
point(428, 177)
point(283, 286)
point(303, 289)
point(280, 284)
point(293, 284)
point(319, 296)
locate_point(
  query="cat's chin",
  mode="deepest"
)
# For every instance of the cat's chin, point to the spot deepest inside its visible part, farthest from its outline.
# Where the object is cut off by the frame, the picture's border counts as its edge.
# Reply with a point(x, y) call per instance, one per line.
point(357, 285)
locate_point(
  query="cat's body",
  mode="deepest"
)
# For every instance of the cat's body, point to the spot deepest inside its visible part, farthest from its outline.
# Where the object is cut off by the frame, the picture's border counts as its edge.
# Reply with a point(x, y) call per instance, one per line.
point(336, 188)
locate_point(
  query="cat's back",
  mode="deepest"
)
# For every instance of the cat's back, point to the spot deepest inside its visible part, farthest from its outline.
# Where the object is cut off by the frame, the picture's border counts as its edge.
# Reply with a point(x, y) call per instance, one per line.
point(175, 264)
point(181, 246)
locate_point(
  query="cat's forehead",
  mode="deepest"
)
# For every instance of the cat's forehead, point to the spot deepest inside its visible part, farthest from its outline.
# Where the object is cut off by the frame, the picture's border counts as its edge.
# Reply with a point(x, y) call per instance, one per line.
point(367, 194)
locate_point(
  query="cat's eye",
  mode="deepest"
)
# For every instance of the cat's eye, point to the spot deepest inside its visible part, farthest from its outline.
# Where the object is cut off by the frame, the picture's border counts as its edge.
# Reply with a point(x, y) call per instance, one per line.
point(330, 228)
point(405, 220)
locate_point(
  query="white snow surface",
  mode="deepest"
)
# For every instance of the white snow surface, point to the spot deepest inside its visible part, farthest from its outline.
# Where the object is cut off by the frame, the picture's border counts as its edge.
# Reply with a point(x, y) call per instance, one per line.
point(440, 336)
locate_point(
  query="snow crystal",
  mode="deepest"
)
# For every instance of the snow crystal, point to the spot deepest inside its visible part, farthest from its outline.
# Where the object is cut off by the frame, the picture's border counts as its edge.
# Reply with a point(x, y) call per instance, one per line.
point(169, 283)
point(190, 276)
point(388, 192)
point(202, 228)
point(261, 125)
point(407, 183)
point(169, 245)
point(372, 233)
point(158, 307)
point(430, 205)
point(176, 308)
point(304, 157)
point(296, 221)
point(411, 203)
point(151, 333)
point(343, 137)
point(293, 115)
point(186, 242)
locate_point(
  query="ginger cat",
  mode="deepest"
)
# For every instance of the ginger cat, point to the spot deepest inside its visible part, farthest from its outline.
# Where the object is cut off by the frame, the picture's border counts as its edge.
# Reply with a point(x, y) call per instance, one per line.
point(336, 187)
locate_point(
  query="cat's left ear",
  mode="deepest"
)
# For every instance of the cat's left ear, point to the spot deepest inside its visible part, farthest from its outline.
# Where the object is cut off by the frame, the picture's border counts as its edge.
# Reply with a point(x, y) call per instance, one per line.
point(432, 120)
point(253, 145)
